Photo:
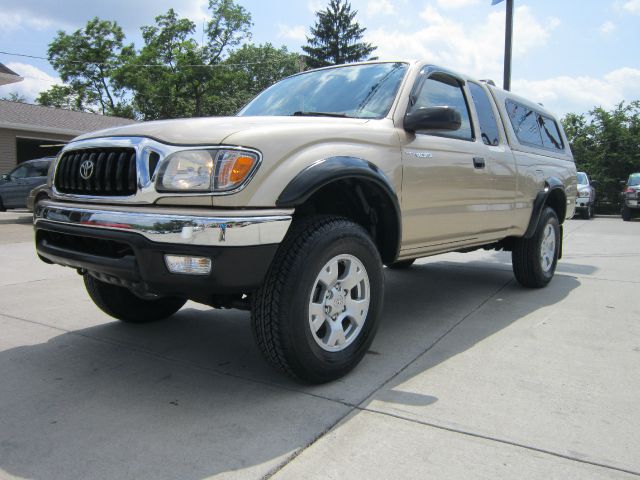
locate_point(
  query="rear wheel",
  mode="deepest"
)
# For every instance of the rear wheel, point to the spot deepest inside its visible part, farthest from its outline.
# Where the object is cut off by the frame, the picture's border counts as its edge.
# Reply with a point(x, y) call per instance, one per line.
point(534, 259)
point(121, 303)
point(402, 264)
point(626, 213)
point(318, 310)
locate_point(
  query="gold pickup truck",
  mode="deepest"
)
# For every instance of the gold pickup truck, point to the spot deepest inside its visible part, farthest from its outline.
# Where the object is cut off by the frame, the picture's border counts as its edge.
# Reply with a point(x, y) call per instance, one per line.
point(291, 208)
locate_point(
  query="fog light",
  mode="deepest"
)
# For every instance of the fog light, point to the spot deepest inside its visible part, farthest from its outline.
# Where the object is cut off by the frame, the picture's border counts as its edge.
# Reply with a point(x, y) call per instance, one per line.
point(188, 265)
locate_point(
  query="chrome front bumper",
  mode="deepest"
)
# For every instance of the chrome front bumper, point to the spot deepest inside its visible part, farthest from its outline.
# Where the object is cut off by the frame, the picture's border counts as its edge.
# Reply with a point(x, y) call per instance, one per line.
point(173, 225)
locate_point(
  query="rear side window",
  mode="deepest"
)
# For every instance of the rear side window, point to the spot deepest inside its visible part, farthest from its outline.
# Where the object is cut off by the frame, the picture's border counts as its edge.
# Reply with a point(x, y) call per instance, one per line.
point(445, 92)
point(550, 134)
point(525, 123)
point(533, 128)
point(488, 124)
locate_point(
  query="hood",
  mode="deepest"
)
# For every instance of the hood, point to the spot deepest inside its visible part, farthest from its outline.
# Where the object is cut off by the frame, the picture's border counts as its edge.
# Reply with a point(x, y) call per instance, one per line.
point(213, 130)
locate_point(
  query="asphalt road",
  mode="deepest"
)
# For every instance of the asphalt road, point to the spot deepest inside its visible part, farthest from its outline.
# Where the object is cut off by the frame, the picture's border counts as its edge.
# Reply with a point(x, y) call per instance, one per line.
point(470, 376)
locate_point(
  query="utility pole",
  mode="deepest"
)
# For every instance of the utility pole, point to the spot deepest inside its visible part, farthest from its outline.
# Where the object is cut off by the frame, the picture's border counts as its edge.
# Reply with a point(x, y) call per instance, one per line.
point(508, 43)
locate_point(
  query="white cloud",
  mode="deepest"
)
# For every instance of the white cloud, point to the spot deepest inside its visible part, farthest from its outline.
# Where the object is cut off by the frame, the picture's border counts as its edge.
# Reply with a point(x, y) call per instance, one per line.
point(292, 32)
point(73, 14)
point(632, 6)
point(316, 5)
point(607, 27)
point(447, 41)
point(376, 7)
point(580, 94)
point(451, 4)
point(35, 81)
point(19, 19)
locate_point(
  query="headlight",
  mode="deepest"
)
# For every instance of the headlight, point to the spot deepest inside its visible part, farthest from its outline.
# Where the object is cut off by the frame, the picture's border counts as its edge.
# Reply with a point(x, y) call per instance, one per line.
point(583, 193)
point(206, 170)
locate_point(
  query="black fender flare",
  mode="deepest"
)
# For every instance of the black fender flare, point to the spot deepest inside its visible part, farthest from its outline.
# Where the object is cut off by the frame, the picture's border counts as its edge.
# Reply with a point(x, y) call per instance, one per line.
point(551, 184)
point(332, 169)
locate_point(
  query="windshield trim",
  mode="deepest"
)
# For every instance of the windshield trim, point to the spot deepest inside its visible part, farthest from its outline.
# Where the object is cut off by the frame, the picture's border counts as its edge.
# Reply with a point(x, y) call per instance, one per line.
point(335, 67)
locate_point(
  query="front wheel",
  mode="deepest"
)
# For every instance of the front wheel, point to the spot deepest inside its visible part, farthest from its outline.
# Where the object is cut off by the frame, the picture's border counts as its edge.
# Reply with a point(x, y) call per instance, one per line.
point(535, 259)
point(318, 310)
point(121, 303)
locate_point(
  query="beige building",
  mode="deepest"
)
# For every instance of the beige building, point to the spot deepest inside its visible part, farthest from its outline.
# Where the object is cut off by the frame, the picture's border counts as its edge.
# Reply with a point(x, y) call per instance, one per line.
point(33, 131)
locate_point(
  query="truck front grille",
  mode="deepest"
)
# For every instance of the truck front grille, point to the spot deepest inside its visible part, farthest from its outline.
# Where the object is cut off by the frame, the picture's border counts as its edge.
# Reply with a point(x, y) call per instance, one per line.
point(97, 171)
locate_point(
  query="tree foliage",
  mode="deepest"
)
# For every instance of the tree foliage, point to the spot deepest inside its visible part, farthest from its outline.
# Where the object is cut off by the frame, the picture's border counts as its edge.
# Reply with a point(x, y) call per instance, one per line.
point(86, 60)
point(606, 145)
point(15, 97)
point(179, 70)
point(335, 37)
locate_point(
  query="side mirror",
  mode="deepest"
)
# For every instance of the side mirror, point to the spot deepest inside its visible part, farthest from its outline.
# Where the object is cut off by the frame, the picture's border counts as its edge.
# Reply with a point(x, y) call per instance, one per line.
point(6, 177)
point(433, 118)
point(595, 183)
point(623, 183)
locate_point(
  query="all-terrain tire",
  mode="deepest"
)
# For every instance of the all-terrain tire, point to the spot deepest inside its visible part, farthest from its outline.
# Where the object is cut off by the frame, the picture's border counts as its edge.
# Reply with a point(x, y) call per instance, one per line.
point(121, 303)
point(532, 268)
point(281, 315)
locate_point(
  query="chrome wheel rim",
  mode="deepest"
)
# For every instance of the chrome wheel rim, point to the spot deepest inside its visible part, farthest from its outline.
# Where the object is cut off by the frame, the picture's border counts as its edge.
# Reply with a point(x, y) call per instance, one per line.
point(548, 248)
point(339, 303)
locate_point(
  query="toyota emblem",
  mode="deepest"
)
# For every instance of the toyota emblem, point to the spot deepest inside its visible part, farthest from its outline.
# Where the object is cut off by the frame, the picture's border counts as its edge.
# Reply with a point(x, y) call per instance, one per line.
point(86, 169)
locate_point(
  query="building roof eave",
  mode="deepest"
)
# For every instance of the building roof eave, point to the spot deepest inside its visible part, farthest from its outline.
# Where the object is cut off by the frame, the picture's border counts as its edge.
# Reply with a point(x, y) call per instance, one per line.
point(40, 129)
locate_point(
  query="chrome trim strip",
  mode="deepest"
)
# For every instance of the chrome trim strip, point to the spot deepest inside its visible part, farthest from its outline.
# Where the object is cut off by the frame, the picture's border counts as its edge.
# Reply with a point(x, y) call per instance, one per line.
point(229, 229)
point(146, 190)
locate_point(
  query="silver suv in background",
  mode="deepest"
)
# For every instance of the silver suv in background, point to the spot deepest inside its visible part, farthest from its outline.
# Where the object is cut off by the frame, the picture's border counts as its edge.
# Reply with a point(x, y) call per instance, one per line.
point(631, 197)
point(586, 198)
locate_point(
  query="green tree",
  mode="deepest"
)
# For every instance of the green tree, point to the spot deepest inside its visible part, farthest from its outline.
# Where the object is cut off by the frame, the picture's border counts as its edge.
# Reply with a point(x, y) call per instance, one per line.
point(172, 75)
point(159, 75)
point(15, 97)
point(86, 60)
point(336, 37)
point(251, 69)
point(62, 96)
point(606, 144)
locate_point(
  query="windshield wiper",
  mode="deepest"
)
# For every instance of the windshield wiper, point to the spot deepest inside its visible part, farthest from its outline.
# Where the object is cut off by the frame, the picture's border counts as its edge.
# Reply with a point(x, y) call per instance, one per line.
point(319, 114)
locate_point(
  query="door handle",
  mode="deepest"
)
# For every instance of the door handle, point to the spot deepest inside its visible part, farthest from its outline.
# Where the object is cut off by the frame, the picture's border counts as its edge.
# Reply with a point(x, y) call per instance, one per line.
point(478, 162)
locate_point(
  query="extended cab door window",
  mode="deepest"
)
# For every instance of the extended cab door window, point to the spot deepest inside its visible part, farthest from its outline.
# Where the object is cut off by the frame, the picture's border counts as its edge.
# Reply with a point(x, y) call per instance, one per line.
point(525, 123)
point(444, 91)
point(486, 117)
point(550, 135)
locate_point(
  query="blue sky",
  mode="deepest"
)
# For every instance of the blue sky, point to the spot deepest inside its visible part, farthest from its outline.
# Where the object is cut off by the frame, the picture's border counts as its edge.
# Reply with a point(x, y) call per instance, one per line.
point(570, 55)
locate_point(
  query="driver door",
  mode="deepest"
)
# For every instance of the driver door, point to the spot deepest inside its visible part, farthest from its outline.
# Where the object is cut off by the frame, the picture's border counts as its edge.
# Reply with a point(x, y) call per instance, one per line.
point(446, 186)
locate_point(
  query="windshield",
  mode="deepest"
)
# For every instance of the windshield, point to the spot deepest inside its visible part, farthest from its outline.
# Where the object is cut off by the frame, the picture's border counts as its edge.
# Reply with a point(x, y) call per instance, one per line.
point(357, 91)
point(582, 179)
point(634, 179)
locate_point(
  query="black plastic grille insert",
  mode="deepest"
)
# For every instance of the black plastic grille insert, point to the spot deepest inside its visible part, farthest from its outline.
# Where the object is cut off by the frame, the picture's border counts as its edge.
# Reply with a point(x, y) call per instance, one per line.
point(112, 172)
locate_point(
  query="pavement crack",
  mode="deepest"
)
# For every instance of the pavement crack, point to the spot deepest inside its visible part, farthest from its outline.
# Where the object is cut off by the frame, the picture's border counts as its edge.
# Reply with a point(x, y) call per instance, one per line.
point(501, 440)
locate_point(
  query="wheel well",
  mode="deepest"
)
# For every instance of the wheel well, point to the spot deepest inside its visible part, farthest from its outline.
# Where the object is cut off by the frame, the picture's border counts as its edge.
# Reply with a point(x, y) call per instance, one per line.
point(363, 202)
point(558, 201)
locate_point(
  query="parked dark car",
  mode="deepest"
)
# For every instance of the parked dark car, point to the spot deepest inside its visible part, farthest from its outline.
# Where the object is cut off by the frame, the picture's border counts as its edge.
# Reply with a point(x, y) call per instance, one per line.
point(631, 197)
point(586, 199)
point(16, 185)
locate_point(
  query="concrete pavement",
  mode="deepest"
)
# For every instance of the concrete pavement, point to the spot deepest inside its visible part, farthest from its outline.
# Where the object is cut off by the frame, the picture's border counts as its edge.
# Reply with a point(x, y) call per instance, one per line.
point(470, 376)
